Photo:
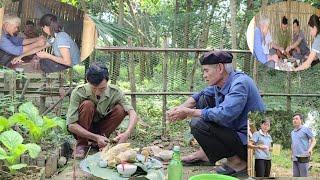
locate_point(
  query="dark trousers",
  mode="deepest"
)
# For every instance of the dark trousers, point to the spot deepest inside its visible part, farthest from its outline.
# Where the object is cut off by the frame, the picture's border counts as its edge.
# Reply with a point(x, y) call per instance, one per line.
point(46, 65)
point(216, 141)
point(5, 59)
point(49, 66)
point(262, 167)
point(106, 126)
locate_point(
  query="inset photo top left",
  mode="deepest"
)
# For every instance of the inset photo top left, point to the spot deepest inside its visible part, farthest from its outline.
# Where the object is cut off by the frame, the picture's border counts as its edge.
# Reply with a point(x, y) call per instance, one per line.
point(43, 36)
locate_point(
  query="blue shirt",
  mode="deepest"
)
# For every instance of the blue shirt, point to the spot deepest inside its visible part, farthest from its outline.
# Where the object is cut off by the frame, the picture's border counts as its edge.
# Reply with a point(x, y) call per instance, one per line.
point(265, 139)
point(258, 49)
point(316, 45)
point(238, 96)
point(63, 40)
point(11, 44)
point(300, 141)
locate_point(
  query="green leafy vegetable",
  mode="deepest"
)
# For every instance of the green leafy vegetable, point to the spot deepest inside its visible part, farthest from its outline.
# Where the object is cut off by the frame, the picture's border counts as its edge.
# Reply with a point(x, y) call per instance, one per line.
point(13, 149)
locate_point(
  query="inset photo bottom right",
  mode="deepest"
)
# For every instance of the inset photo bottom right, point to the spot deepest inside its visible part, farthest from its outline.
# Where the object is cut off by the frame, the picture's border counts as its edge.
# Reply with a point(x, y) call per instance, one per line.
point(282, 144)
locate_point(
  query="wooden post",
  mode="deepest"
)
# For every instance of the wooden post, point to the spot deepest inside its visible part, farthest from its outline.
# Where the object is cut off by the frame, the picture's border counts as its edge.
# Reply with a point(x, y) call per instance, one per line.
point(288, 91)
point(43, 97)
point(132, 76)
point(25, 158)
point(165, 84)
point(255, 73)
point(250, 163)
point(194, 67)
point(10, 82)
point(25, 87)
point(20, 80)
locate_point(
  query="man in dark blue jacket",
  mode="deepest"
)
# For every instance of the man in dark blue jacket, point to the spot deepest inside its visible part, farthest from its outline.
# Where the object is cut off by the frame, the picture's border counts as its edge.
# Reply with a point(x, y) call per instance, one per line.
point(220, 113)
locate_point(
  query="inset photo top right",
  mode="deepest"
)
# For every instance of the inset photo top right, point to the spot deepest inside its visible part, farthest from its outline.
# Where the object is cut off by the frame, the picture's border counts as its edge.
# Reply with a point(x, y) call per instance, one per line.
point(285, 36)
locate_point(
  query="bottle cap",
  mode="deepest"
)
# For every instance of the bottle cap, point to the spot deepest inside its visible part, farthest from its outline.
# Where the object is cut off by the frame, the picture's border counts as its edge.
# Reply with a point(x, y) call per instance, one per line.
point(176, 148)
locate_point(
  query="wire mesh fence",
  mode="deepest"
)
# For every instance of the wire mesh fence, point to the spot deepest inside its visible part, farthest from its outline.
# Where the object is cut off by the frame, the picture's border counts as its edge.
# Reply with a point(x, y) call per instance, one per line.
point(183, 74)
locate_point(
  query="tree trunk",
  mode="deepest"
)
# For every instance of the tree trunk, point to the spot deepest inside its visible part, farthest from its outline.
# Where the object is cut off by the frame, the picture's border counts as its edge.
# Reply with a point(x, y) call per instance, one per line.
point(233, 7)
point(247, 61)
point(116, 61)
point(141, 37)
point(203, 38)
point(186, 40)
point(132, 77)
point(175, 24)
point(174, 60)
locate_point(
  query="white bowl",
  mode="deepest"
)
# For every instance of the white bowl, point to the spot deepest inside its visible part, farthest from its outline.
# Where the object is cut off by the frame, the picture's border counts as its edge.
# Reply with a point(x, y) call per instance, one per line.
point(126, 170)
point(165, 155)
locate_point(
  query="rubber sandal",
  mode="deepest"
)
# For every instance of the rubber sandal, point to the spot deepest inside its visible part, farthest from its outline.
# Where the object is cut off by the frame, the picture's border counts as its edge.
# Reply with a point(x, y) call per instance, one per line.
point(196, 162)
point(226, 170)
point(80, 152)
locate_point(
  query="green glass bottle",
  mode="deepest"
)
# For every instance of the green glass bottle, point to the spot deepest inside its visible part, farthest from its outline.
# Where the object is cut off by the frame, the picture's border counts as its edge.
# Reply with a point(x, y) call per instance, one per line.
point(175, 166)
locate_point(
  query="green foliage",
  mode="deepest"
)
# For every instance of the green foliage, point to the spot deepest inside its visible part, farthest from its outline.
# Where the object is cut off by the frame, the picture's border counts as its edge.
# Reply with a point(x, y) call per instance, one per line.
point(71, 2)
point(281, 125)
point(5, 124)
point(283, 160)
point(112, 31)
point(37, 126)
point(8, 104)
point(32, 112)
point(12, 142)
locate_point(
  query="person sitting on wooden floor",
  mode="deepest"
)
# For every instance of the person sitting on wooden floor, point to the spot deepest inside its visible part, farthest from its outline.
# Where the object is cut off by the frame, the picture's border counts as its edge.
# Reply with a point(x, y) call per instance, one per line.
point(11, 45)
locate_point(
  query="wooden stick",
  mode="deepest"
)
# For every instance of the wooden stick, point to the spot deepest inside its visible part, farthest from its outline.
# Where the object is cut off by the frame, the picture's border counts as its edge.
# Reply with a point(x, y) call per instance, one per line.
point(26, 84)
point(56, 103)
point(74, 162)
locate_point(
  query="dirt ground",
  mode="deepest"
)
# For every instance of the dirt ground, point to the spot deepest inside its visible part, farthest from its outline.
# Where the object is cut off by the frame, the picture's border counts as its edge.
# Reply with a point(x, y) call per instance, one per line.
point(283, 172)
point(67, 173)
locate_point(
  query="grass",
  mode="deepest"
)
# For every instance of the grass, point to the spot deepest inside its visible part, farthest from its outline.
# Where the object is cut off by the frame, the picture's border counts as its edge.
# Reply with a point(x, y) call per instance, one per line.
point(283, 162)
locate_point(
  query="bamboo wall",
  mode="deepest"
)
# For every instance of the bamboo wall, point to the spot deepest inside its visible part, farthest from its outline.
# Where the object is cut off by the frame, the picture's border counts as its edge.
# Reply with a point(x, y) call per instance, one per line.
point(292, 10)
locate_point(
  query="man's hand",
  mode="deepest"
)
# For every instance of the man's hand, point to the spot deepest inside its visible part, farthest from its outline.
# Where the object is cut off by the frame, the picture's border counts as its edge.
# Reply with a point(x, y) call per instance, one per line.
point(264, 147)
point(16, 60)
point(310, 152)
point(122, 137)
point(288, 49)
point(281, 49)
point(41, 41)
point(303, 66)
point(43, 55)
point(102, 141)
point(178, 113)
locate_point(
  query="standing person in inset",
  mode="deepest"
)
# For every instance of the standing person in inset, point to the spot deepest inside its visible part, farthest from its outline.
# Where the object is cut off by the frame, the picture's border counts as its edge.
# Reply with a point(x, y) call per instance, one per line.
point(65, 50)
point(264, 49)
point(283, 36)
point(314, 25)
point(261, 142)
point(302, 144)
point(12, 45)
